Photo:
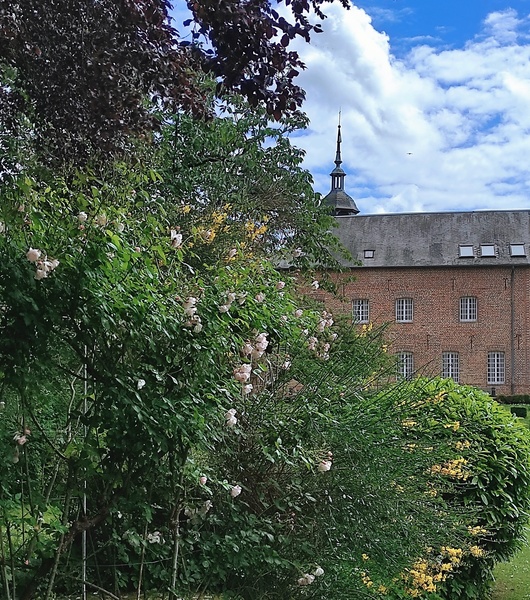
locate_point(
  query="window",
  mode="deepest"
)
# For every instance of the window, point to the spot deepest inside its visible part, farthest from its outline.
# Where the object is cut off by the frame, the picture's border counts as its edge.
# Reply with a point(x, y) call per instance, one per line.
point(361, 311)
point(496, 367)
point(405, 365)
point(466, 251)
point(404, 310)
point(369, 253)
point(487, 250)
point(468, 309)
point(451, 365)
point(517, 250)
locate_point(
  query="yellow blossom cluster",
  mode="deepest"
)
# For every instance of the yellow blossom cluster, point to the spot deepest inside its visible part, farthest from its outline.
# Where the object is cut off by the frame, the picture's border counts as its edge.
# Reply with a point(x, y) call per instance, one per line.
point(463, 445)
point(423, 577)
point(439, 397)
point(477, 530)
point(366, 328)
point(476, 551)
point(253, 230)
point(408, 423)
point(452, 468)
point(366, 579)
point(453, 554)
point(432, 492)
point(424, 574)
point(454, 426)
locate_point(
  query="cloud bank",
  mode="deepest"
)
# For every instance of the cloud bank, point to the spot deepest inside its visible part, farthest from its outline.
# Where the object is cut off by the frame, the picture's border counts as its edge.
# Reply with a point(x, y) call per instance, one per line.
point(436, 129)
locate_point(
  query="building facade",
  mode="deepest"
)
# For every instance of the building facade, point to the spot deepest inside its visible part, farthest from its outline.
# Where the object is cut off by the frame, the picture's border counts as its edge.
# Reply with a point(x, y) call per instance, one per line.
point(454, 286)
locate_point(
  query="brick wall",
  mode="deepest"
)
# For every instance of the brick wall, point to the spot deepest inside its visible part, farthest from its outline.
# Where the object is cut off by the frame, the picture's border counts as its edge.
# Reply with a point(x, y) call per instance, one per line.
point(501, 325)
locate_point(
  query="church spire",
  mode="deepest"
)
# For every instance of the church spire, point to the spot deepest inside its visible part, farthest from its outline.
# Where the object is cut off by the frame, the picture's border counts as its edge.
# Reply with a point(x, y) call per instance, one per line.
point(338, 159)
point(343, 204)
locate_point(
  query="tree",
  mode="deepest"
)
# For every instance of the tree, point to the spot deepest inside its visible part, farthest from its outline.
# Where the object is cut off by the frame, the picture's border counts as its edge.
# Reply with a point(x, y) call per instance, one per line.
point(90, 73)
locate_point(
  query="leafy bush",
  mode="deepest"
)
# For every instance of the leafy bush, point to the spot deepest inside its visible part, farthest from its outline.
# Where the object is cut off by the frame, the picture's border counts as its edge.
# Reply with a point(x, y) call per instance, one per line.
point(514, 399)
point(490, 467)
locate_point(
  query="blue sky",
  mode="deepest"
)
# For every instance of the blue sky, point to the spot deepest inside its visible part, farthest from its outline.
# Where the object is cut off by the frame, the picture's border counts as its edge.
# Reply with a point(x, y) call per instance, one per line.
point(435, 103)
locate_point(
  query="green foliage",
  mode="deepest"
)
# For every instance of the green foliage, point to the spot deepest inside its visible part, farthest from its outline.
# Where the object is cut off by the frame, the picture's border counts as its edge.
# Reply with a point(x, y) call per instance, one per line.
point(514, 399)
point(490, 463)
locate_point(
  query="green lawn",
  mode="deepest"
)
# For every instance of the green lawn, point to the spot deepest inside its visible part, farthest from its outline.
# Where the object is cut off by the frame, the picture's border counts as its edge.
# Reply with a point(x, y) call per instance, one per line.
point(513, 578)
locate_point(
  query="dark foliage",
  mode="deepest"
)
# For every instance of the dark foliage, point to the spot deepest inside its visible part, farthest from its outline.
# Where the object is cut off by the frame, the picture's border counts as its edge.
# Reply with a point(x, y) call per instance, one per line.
point(93, 72)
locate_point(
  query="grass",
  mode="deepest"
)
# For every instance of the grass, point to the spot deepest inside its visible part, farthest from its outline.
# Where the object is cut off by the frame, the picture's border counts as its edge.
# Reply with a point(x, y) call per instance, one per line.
point(512, 579)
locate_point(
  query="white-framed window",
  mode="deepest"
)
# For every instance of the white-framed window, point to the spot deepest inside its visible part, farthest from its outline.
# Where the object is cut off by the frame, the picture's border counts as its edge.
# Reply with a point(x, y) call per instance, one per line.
point(468, 309)
point(405, 365)
point(361, 310)
point(496, 368)
point(466, 251)
point(404, 310)
point(488, 250)
point(451, 365)
point(517, 250)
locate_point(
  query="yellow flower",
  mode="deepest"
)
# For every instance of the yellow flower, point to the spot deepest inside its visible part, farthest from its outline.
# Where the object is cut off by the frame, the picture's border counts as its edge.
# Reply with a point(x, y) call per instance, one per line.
point(476, 551)
point(365, 557)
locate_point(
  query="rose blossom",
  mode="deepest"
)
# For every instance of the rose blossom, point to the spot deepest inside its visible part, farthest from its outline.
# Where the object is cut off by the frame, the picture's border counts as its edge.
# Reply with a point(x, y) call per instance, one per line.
point(324, 466)
point(33, 255)
point(235, 491)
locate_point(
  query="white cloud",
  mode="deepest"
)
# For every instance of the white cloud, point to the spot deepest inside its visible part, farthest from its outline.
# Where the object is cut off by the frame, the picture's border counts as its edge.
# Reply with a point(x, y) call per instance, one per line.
point(437, 130)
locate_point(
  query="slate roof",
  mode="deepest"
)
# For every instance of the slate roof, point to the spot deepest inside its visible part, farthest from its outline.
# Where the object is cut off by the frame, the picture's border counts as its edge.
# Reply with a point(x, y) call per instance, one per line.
point(434, 239)
point(342, 203)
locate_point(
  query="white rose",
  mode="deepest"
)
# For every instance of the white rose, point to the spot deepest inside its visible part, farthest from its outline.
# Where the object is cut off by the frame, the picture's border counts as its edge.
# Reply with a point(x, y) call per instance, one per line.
point(33, 255)
point(235, 491)
point(324, 466)
point(101, 220)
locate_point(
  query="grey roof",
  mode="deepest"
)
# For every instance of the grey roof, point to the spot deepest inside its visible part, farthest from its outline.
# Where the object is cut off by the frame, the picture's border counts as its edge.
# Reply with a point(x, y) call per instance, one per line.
point(434, 239)
point(342, 203)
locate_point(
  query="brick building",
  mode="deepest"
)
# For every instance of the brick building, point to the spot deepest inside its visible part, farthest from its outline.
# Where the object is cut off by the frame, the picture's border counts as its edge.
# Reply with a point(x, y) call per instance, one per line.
point(454, 285)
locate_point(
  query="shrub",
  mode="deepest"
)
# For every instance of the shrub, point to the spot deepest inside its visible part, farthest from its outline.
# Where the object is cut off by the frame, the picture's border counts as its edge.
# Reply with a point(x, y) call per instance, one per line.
point(491, 468)
point(514, 399)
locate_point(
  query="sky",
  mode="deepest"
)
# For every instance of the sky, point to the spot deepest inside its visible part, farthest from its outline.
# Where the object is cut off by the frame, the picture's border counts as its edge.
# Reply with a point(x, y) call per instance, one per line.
point(434, 97)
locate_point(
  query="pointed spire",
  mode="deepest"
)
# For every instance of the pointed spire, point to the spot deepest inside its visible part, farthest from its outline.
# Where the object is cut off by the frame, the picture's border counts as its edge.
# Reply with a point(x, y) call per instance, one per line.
point(343, 205)
point(338, 159)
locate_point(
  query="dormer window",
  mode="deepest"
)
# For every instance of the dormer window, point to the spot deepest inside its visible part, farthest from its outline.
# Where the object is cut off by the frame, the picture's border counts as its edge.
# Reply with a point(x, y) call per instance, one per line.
point(466, 251)
point(488, 250)
point(369, 253)
point(517, 250)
